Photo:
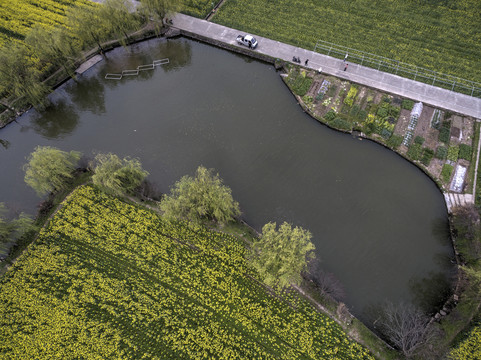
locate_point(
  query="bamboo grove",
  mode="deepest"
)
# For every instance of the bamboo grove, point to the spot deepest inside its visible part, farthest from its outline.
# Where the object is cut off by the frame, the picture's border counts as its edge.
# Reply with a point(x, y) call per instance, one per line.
point(110, 280)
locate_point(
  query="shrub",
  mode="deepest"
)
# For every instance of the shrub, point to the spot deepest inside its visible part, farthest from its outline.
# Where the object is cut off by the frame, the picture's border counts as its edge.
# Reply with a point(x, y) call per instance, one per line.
point(354, 110)
point(332, 90)
point(445, 132)
point(301, 84)
point(331, 115)
point(362, 115)
point(341, 124)
point(465, 152)
point(382, 112)
point(419, 140)
point(369, 128)
point(386, 134)
point(427, 156)
point(453, 153)
point(407, 104)
point(414, 151)
point(351, 95)
point(441, 152)
point(395, 141)
point(446, 172)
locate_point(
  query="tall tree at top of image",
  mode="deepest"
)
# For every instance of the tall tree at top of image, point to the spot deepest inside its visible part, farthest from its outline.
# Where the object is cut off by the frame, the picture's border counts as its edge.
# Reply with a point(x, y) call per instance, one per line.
point(280, 256)
point(157, 10)
point(48, 169)
point(119, 18)
point(87, 25)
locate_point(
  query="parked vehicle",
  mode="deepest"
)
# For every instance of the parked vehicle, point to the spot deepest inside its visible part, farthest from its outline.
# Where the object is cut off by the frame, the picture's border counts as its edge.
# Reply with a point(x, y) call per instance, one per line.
point(247, 40)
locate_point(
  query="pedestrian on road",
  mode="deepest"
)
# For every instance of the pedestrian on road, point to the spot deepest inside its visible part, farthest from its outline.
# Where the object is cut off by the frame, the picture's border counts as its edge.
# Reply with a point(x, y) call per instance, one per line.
point(250, 45)
point(345, 57)
point(307, 60)
point(345, 67)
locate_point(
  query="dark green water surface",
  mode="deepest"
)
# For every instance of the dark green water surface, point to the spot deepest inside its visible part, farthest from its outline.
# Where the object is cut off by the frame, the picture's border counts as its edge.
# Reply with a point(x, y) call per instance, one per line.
point(378, 223)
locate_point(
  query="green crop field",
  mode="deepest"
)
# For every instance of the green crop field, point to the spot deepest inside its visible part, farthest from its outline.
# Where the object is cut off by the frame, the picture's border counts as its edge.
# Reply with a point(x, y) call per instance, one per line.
point(109, 280)
point(441, 35)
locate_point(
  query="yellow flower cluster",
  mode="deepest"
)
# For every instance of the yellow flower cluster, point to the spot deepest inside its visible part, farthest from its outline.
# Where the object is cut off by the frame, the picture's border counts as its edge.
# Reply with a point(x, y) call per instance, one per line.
point(17, 17)
point(470, 348)
point(111, 280)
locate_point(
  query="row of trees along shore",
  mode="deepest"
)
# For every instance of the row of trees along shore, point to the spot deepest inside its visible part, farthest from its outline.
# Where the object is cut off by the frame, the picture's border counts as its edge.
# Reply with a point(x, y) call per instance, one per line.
point(280, 256)
point(25, 66)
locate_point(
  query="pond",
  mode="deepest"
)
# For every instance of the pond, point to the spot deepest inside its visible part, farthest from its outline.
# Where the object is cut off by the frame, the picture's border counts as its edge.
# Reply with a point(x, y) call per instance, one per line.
point(379, 224)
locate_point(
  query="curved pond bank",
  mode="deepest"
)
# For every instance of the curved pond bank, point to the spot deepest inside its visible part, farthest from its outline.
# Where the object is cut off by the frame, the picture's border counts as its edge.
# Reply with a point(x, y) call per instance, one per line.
point(378, 223)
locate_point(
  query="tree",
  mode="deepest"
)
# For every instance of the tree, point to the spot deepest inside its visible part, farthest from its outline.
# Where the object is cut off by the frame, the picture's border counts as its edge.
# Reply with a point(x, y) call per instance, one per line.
point(119, 18)
point(19, 75)
point(156, 10)
point(53, 46)
point(325, 282)
point(87, 25)
point(202, 197)
point(118, 176)
point(281, 255)
point(404, 326)
point(12, 230)
point(49, 168)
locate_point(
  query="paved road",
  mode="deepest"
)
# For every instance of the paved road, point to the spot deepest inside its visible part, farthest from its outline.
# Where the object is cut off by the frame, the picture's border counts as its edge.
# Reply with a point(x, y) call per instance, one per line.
point(393, 84)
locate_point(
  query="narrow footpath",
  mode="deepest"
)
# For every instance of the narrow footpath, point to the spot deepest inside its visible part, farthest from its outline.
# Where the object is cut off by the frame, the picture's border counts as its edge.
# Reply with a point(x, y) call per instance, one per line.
point(434, 96)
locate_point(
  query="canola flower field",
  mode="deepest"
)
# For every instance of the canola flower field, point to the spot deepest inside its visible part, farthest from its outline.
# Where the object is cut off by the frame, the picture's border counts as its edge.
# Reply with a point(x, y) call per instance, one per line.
point(110, 280)
point(470, 348)
point(19, 16)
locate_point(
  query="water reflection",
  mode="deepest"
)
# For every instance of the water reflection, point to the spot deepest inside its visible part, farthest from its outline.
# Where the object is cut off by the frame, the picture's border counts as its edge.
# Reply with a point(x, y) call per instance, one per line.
point(431, 292)
point(5, 143)
point(88, 94)
point(60, 120)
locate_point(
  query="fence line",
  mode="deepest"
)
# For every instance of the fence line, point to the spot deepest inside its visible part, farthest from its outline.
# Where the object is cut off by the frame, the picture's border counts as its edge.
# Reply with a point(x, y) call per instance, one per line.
point(136, 71)
point(396, 67)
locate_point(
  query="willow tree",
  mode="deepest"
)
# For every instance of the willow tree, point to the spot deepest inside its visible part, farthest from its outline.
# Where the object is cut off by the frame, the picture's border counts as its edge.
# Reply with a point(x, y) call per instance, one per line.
point(11, 230)
point(118, 176)
point(281, 255)
point(54, 46)
point(119, 18)
point(203, 197)
point(48, 169)
point(20, 76)
point(157, 10)
point(87, 25)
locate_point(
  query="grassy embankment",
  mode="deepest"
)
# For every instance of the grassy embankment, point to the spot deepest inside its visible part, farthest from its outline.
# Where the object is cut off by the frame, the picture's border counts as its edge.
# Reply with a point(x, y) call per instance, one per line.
point(110, 279)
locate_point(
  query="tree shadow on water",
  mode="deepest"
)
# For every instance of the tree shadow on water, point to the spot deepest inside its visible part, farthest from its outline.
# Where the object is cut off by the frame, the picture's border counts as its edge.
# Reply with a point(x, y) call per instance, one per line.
point(59, 120)
point(431, 292)
point(88, 95)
